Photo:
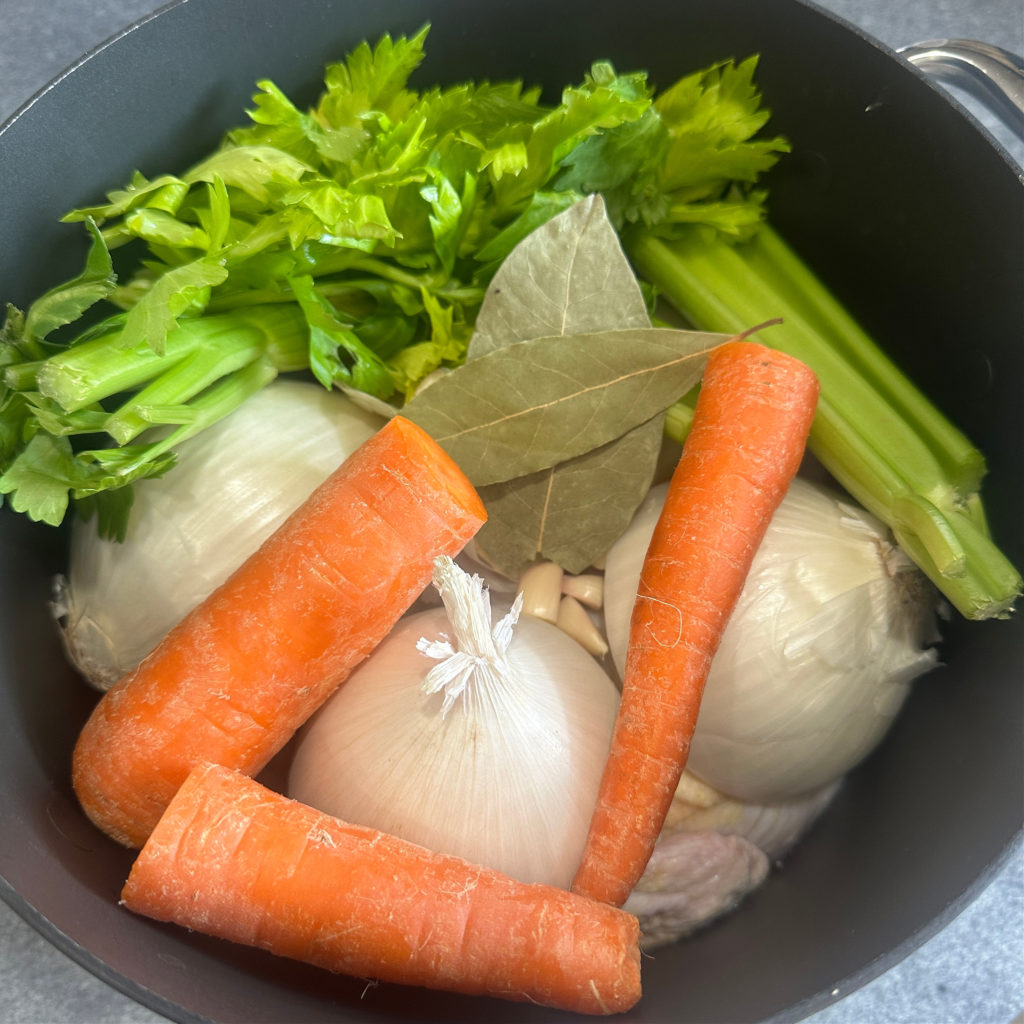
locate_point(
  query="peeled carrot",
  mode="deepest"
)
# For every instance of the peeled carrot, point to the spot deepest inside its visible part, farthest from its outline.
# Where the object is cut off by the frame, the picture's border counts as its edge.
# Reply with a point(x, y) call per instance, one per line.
point(233, 859)
point(233, 681)
point(749, 431)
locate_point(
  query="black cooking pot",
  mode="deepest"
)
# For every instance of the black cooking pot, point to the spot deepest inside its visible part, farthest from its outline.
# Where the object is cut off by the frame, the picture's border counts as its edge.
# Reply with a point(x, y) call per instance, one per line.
point(913, 218)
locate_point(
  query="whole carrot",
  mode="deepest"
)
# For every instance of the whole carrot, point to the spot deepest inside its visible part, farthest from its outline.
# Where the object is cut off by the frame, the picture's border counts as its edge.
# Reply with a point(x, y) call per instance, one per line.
point(234, 680)
point(233, 859)
point(748, 435)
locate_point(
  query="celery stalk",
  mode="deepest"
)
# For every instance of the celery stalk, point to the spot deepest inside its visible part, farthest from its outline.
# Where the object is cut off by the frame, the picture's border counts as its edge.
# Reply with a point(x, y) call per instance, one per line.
point(102, 367)
point(210, 365)
point(777, 264)
point(874, 431)
point(213, 404)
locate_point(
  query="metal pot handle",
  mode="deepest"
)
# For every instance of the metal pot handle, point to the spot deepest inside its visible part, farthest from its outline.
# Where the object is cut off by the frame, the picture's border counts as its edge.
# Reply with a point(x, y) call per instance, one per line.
point(990, 74)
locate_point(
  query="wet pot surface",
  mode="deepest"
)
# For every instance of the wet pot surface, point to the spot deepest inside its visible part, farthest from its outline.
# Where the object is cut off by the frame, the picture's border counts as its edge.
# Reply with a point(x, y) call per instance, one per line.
point(905, 210)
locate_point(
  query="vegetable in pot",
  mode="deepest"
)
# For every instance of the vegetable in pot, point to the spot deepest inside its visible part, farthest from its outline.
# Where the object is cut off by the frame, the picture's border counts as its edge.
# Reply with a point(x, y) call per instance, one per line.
point(832, 626)
point(875, 432)
point(233, 859)
point(479, 740)
point(235, 679)
point(745, 446)
point(184, 537)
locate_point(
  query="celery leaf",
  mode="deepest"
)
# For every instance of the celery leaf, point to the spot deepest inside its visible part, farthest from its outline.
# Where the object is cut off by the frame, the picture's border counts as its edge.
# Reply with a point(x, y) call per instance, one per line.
point(164, 192)
point(38, 482)
point(176, 291)
point(354, 238)
point(68, 301)
point(337, 355)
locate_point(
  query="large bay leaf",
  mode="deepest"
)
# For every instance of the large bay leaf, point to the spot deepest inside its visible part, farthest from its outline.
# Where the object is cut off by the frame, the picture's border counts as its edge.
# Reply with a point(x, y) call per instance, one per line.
point(534, 404)
point(572, 513)
point(557, 414)
point(568, 277)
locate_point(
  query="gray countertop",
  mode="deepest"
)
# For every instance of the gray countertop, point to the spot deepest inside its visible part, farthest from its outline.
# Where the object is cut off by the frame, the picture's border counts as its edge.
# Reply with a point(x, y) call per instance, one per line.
point(972, 972)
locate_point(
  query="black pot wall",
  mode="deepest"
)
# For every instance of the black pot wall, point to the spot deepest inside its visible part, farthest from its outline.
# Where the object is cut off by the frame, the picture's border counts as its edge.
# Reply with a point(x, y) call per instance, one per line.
point(913, 218)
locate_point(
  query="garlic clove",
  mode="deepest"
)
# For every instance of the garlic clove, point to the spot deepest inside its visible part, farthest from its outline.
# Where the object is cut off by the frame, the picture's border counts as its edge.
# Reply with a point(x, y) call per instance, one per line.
point(541, 589)
point(574, 620)
point(587, 588)
point(773, 828)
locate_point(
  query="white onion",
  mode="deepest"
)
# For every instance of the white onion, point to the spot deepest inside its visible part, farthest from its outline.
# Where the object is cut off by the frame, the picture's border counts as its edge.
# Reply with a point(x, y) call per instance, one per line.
point(507, 776)
point(820, 653)
point(234, 484)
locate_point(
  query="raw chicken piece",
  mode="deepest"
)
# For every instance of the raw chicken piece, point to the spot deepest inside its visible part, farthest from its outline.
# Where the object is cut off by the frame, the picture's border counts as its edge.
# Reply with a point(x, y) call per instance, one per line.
point(692, 878)
point(712, 852)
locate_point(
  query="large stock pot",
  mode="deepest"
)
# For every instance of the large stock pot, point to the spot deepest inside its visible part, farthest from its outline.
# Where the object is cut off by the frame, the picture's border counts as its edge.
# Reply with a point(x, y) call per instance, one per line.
point(909, 212)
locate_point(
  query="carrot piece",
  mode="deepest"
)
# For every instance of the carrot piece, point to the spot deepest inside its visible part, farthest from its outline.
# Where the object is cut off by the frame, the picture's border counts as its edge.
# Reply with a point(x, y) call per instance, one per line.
point(233, 859)
point(749, 431)
point(237, 676)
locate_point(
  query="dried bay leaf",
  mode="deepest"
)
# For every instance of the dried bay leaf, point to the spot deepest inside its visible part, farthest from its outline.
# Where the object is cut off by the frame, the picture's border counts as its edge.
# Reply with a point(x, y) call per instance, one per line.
point(569, 277)
point(557, 415)
point(537, 403)
point(571, 514)
point(573, 511)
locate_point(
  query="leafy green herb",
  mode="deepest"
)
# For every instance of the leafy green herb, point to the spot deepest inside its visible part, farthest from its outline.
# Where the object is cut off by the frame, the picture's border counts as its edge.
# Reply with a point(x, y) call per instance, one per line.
point(66, 303)
point(574, 515)
point(363, 232)
point(531, 405)
point(568, 277)
point(41, 477)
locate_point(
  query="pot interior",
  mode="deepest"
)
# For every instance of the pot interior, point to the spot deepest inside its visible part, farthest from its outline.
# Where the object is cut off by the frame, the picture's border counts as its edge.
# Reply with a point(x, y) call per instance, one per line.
point(909, 215)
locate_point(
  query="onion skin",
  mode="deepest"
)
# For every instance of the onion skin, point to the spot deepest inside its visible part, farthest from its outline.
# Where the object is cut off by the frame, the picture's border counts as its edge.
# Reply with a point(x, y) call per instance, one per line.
point(235, 483)
point(831, 629)
point(506, 778)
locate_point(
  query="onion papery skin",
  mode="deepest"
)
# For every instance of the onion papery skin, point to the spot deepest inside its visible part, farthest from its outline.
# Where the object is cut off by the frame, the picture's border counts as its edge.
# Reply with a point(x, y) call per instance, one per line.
point(233, 485)
point(507, 778)
point(831, 629)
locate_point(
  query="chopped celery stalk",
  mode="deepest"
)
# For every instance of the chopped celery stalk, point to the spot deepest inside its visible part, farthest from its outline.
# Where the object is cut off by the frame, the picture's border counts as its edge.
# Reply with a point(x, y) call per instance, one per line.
point(214, 404)
point(689, 273)
point(679, 419)
point(874, 432)
point(210, 365)
point(22, 376)
point(102, 367)
point(184, 380)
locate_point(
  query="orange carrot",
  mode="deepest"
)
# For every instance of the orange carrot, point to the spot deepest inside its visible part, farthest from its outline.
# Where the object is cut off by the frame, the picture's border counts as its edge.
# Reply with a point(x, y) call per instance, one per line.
point(233, 681)
point(233, 859)
point(749, 431)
